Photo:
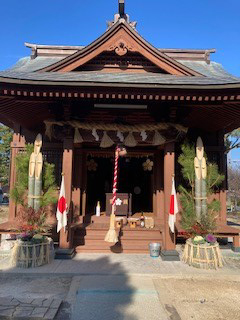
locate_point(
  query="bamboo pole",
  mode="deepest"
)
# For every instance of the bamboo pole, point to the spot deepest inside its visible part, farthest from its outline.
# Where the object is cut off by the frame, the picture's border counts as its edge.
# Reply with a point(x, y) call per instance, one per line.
point(38, 182)
point(31, 180)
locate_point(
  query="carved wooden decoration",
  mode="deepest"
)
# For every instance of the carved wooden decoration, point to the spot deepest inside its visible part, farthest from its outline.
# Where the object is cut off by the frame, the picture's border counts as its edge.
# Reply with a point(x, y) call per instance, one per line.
point(121, 47)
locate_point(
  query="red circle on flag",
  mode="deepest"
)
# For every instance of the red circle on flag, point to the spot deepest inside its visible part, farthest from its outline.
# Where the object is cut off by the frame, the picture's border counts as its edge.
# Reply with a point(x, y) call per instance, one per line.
point(62, 206)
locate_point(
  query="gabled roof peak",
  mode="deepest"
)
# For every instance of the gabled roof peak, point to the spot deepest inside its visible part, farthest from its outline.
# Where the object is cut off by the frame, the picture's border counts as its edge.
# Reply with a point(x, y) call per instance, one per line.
point(121, 38)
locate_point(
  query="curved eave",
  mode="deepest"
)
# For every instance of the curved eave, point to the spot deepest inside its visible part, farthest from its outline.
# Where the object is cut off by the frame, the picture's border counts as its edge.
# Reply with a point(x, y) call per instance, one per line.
point(213, 86)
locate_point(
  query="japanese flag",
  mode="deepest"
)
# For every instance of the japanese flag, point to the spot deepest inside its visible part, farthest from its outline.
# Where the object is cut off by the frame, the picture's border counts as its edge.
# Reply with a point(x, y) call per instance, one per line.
point(62, 208)
point(173, 208)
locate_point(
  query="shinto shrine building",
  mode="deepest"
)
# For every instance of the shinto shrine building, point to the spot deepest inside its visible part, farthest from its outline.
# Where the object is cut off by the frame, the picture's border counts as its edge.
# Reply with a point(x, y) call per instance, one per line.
point(118, 89)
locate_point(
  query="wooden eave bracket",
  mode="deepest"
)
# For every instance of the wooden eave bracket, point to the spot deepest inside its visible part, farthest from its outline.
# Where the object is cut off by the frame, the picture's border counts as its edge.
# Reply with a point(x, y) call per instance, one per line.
point(121, 38)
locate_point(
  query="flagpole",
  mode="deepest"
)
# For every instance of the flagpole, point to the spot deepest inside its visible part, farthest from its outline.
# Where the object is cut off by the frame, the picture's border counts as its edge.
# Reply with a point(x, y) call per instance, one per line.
point(173, 210)
point(61, 213)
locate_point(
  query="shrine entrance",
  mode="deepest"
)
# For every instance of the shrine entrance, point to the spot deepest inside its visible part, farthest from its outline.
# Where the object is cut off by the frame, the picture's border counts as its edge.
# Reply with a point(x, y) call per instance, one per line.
point(135, 178)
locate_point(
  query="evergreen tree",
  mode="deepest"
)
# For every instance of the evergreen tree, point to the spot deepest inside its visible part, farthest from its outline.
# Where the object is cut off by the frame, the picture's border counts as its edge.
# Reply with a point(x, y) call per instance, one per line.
point(232, 140)
point(5, 140)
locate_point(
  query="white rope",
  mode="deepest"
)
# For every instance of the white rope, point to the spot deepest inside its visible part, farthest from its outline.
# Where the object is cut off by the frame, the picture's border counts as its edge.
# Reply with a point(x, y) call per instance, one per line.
point(117, 127)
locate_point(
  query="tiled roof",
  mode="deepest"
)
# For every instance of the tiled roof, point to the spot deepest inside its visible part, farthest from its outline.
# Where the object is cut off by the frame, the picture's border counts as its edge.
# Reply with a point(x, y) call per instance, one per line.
point(27, 64)
point(127, 78)
point(24, 69)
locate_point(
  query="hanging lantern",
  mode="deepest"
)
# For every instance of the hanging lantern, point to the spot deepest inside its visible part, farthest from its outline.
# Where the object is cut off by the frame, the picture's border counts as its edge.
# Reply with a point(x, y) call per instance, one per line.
point(158, 139)
point(148, 165)
point(130, 140)
point(106, 142)
point(92, 165)
point(77, 136)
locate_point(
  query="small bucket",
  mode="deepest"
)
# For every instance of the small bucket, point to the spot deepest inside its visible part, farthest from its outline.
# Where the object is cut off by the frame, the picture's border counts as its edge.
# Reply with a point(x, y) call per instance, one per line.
point(154, 249)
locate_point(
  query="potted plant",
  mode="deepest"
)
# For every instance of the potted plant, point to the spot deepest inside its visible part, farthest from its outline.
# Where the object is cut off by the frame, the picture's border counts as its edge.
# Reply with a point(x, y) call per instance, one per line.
point(198, 213)
point(34, 191)
point(32, 248)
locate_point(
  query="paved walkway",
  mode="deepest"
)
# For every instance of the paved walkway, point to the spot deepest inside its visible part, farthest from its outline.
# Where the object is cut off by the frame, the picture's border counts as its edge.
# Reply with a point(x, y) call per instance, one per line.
point(105, 286)
point(117, 297)
point(28, 308)
point(121, 264)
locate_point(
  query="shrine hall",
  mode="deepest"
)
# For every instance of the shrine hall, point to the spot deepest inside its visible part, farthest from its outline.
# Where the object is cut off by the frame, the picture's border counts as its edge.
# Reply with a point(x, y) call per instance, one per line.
point(118, 90)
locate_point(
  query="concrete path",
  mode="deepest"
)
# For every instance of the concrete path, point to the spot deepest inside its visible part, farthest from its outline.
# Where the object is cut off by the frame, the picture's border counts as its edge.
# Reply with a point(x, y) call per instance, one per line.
point(117, 298)
point(120, 286)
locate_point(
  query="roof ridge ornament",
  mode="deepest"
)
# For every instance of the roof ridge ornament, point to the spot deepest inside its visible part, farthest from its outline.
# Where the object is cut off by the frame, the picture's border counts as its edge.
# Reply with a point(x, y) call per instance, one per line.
point(121, 15)
point(121, 8)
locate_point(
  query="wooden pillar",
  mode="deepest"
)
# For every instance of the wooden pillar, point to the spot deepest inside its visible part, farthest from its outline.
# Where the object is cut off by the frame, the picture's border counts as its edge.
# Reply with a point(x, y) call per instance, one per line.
point(65, 239)
point(168, 251)
point(17, 144)
point(223, 170)
point(84, 184)
point(223, 210)
point(158, 195)
point(236, 243)
point(77, 180)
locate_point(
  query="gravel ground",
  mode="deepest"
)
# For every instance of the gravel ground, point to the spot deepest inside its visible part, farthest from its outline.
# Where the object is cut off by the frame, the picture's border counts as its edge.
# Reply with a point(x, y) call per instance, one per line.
point(198, 299)
point(3, 213)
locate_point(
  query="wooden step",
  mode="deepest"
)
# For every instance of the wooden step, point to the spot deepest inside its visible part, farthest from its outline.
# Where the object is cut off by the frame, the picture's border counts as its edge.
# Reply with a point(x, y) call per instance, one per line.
point(83, 249)
point(105, 247)
point(91, 239)
point(124, 235)
point(124, 239)
point(84, 231)
point(123, 242)
point(138, 246)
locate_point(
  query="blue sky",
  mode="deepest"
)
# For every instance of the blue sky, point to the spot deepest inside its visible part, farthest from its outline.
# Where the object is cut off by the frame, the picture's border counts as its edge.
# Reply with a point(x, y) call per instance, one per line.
point(166, 24)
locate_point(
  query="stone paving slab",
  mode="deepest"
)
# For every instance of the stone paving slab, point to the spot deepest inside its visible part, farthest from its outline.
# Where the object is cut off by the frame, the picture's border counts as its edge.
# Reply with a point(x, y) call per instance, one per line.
point(28, 309)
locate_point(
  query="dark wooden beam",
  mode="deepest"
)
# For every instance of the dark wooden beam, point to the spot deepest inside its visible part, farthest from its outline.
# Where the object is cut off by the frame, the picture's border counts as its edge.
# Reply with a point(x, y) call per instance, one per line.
point(121, 6)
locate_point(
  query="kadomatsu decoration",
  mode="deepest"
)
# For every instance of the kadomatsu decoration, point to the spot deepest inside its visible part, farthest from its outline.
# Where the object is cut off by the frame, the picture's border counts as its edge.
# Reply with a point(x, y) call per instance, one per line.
point(35, 179)
point(201, 178)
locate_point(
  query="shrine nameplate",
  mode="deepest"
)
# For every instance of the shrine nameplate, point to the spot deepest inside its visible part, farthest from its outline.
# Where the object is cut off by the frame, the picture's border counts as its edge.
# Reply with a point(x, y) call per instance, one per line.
point(123, 204)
